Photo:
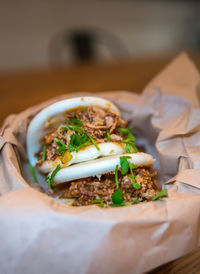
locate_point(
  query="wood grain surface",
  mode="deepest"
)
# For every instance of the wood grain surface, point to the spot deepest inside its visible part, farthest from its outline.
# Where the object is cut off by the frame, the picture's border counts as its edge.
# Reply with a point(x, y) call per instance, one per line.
point(22, 89)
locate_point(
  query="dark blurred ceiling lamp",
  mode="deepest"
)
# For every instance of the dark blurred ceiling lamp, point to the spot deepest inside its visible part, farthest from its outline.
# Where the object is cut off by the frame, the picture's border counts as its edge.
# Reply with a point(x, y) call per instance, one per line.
point(82, 46)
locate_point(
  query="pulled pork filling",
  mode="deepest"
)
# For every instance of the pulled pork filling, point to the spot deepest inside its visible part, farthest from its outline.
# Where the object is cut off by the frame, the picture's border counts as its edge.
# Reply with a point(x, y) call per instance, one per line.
point(100, 124)
point(83, 126)
point(86, 191)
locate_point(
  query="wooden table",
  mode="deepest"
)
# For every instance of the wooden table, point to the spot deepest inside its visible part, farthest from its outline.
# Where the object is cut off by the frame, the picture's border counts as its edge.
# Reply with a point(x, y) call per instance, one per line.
point(22, 89)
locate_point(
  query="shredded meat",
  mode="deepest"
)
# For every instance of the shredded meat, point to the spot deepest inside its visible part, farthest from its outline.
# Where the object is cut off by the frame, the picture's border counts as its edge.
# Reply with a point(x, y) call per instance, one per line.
point(96, 121)
point(86, 190)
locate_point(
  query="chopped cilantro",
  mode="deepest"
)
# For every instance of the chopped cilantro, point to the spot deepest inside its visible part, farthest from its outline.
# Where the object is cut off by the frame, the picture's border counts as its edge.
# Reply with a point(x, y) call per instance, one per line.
point(130, 140)
point(116, 176)
point(32, 170)
point(135, 184)
point(93, 141)
point(44, 153)
point(52, 175)
point(128, 148)
point(117, 198)
point(161, 194)
point(98, 201)
point(108, 135)
point(124, 164)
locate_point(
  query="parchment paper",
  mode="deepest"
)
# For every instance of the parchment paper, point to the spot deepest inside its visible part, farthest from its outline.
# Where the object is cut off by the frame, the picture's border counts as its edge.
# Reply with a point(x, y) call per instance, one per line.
point(41, 235)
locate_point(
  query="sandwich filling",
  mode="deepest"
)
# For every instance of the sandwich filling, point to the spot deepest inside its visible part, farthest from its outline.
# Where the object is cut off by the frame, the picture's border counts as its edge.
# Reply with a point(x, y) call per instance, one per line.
point(81, 127)
point(133, 187)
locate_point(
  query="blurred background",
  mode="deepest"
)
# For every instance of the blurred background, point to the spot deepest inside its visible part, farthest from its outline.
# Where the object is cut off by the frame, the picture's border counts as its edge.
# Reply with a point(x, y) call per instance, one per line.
point(64, 32)
point(49, 48)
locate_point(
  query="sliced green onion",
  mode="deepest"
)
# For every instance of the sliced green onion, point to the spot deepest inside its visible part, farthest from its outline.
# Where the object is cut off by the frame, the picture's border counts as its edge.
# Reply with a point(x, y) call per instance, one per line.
point(53, 174)
point(32, 170)
point(125, 131)
point(44, 153)
point(77, 129)
point(93, 141)
point(62, 146)
point(116, 176)
point(108, 135)
point(59, 142)
point(98, 201)
point(77, 122)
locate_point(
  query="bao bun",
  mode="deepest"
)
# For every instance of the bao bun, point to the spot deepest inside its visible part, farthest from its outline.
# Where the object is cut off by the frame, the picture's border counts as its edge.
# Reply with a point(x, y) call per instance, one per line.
point(37, 130)
point(100, 166)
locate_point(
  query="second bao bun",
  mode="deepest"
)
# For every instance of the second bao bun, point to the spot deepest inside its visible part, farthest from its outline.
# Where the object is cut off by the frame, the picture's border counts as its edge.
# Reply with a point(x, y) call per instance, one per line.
point(100, 166)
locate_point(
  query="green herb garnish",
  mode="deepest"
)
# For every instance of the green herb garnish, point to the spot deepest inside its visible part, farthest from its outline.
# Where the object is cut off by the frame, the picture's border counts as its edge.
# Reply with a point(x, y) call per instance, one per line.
point(76, 128)
point(161, 194)
point(108, 135)
point(125, 131)
point(98, 201)
point(128, 148)
point(135, 185)
point(130, 140)
point(116, 176)
point(136, 201)
point(32, 170)
point(134, 146)
point(132, 176)
point(117, 198)
point(127, 203)
point(75, 139)
point(52, 175)
point(62, 146)
point(44, 153)
point(124, 164)
point(83, 109)
point(93, 141)
point(76, 122)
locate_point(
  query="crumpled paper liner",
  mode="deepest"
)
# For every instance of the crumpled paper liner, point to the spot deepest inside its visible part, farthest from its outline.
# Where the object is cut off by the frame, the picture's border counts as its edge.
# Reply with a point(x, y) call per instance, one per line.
point(41, 235)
